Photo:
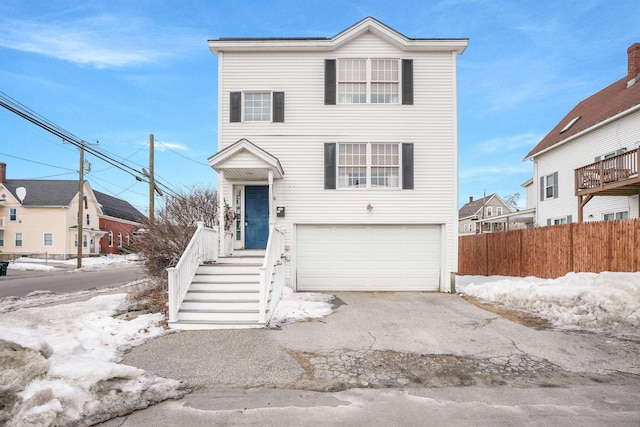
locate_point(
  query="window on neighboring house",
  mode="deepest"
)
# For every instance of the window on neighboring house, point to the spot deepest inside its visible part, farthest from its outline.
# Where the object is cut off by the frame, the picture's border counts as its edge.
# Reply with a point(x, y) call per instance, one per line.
point(499, 210)
point(13, 214)
point(110, 238)
point(1, 238)
point(48, 239)
point(549, 186)
point(128, 240)
point(18, 239)
point(368, 80)
point(85, 241)
point(560, 220)
point(119, 240)
point(616, 215)
point(368, 165)
point(489, 211)
point(75, 240)
point(88, 219)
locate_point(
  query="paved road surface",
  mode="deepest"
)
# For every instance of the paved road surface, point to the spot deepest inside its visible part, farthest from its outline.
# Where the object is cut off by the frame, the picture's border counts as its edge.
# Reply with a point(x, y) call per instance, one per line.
point(20, 283)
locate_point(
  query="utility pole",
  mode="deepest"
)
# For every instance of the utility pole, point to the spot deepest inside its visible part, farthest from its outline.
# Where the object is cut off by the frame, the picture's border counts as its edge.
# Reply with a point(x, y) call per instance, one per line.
point(80, 204)
point(152, 183)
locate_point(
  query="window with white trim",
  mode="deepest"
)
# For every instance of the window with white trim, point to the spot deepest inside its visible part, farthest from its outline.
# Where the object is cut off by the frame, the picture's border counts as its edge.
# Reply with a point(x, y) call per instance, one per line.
point(375, 81)
point(615, 215)
point(85, 241)
point(499, 210)
point(88, 219)
point(549, 185)
point(559, 221)
point(1, 238)
point(75, 240)
point(119, 240)
point(18, 239)
point(368, 165)
point(489, 211)
point(257, 106)
point(13, 214)
point(47, 239)
point(110, 238)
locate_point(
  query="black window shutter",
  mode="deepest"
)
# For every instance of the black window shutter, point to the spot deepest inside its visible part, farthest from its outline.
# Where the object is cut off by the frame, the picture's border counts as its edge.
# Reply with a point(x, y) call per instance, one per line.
point(407, 166)
point(330, 166)
point(555, 185)
point(569, 219)
point(234, 109)
point(329, 82)
point(548, 221)
point(542, 189)
point(597, 159)
point(407, 81)
point(278, 107)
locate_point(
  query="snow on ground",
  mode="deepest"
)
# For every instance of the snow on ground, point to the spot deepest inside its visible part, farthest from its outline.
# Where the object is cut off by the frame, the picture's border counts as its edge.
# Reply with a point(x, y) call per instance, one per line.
point(88, 263)
point(60, 364)
point(604, 301)
point(297, 306)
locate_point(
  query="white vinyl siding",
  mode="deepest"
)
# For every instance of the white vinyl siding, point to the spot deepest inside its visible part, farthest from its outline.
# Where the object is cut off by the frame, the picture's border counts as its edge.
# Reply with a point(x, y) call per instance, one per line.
point(430, 124)
point(368, 257)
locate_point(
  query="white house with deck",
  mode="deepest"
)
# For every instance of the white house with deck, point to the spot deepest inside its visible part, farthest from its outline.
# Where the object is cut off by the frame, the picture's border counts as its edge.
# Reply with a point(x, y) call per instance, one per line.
point(338, 157)
point(586, 167)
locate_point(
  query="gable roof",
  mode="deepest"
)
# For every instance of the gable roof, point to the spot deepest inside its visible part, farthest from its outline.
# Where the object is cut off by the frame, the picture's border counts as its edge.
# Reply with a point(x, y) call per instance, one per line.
point(266, 159)
point(43, 192)
point(118, 208)
point(474, 207)
point(595, 110)
point(368, 24)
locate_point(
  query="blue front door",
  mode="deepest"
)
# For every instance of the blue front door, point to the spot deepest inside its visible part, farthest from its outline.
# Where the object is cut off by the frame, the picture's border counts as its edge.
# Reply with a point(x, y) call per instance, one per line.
point(256, 217)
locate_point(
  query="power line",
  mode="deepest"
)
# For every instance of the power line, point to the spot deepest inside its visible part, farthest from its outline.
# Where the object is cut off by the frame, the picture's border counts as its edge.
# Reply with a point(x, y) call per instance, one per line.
point(40, 163)
point(182, 155)
point(25, 112)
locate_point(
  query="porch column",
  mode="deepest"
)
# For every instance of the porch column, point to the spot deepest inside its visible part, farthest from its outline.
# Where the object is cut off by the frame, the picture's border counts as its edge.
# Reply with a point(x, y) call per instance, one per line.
point(272, 217)
point(221, 213)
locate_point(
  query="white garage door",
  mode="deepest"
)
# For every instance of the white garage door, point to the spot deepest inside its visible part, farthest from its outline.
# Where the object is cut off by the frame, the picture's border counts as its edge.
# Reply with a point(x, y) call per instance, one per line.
point(368, 257)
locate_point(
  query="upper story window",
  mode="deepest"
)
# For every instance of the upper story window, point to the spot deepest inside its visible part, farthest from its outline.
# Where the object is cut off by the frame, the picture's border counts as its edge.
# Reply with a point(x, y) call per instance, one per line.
point(88, 219)
point(368, 80)
point(368, 165)
point(256, 107)
point(549, 186)
point(489, 211)
point(499, 210)
point(13, 214)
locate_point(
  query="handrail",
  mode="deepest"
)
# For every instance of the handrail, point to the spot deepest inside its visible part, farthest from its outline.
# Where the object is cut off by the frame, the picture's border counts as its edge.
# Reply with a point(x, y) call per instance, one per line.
point(202, 247)
point(273, 253)
point(612, 169)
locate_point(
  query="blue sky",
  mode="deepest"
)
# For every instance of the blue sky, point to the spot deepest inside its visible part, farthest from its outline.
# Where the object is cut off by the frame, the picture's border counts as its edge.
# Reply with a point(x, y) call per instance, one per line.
point(117, 71)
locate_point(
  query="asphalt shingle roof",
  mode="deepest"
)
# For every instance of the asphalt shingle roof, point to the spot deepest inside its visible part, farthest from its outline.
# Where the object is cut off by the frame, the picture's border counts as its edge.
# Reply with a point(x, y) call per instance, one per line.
point(118, 208)
point(44, 192)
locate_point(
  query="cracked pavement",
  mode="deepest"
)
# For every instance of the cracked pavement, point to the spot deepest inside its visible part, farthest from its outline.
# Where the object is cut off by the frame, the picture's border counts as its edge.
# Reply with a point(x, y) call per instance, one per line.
point(398, 346)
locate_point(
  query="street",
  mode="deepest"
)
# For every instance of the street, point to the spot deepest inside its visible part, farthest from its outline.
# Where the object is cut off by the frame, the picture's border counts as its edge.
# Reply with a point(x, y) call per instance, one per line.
point(20, 283)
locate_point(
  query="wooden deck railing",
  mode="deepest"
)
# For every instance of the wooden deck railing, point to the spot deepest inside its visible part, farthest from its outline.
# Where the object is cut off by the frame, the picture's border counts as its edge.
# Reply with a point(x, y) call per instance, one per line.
point(202, 247)
point(612, 170)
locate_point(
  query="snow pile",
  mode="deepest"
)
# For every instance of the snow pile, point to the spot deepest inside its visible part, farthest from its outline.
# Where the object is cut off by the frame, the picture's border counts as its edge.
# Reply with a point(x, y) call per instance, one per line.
point(577, 300)
point(297, 306)
point(59, 364)
point(88, 263)
point(25, 264)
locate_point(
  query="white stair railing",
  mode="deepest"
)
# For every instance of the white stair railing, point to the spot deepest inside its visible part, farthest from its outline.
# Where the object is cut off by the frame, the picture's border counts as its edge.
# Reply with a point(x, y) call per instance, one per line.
point(273, 253)
point(202, 247)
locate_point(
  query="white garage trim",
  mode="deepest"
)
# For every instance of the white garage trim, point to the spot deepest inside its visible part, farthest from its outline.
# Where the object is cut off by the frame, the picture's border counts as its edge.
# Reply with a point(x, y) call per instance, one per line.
point(380, 257)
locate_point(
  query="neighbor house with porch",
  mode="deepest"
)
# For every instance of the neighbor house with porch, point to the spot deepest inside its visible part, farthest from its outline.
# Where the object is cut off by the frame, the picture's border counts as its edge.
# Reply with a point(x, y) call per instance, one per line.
point(337, 169)
point(586, 167)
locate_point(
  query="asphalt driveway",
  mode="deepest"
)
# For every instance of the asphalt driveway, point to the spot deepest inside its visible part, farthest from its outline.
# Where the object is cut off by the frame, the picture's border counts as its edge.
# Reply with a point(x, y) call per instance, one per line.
point(395, 358)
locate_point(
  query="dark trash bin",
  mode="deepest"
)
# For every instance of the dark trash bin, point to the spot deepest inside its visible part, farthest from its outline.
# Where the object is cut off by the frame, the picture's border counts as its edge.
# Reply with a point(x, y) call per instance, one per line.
point(3, 268)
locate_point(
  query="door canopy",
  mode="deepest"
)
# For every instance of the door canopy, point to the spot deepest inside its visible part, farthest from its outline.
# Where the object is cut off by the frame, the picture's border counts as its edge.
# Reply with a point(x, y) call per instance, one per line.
point(245, 161)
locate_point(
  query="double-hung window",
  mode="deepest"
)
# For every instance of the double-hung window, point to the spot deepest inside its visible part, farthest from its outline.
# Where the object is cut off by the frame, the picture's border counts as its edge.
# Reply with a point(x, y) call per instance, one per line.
point(110, 238)
point(48, 239)
point(18, 239)
point(13, 214)
point(549, 187)
point(119, 240)
point(375, 81)
point(368, 165)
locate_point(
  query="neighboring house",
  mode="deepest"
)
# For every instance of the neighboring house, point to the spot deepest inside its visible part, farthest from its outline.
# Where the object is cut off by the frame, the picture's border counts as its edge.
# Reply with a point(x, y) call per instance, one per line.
point(586, 168)
point(483, 215)
point(39, 217)
point(120, 221)
point(348, 145)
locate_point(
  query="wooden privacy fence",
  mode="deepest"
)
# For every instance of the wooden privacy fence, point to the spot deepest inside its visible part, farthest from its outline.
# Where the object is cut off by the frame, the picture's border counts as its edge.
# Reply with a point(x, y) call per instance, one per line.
point(554, 251)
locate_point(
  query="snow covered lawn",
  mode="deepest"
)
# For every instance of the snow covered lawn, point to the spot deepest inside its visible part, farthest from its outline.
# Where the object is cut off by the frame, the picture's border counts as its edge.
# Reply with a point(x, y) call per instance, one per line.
point(599, 302)
point(88, 263)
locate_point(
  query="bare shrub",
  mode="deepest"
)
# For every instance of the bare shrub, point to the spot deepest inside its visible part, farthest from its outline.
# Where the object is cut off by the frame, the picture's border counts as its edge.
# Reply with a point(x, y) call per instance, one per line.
point(168, 234)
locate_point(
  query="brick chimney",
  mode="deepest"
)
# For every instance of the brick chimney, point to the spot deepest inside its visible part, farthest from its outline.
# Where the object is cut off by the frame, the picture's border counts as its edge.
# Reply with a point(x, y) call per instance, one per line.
point(470, 199)
point(3, 173)
point(634, 64)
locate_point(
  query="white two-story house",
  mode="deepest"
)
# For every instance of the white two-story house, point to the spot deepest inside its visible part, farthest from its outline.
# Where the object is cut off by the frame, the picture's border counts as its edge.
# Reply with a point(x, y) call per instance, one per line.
point(586, 167)
point(345, 148)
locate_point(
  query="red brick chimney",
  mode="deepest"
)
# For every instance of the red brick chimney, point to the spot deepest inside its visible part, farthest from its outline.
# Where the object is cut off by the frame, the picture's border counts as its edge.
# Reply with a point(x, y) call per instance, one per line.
point(634, 63)
point(3, 173)
point(470, 199)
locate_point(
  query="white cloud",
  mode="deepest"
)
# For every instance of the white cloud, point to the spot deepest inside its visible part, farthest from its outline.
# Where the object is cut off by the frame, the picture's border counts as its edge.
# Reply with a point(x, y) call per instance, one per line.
point(100, 42)
point(494, 171)
point(511, 143)
point(163, 146)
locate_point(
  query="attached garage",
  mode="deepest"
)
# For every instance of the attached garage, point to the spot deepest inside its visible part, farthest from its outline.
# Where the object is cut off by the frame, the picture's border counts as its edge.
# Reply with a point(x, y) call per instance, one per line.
point(368, 257)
